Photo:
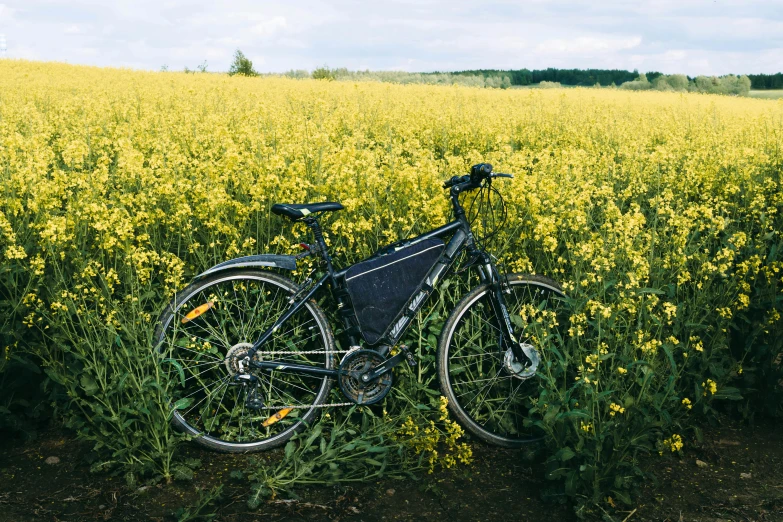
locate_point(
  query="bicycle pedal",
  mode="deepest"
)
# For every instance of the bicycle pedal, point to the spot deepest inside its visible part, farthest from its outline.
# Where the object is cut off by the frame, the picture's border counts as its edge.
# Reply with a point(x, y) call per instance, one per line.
point(408, 357)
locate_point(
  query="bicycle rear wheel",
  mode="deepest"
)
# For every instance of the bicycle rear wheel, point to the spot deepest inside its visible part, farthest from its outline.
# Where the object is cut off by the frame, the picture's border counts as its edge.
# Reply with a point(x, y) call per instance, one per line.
point(202, 338)
point(488, 392)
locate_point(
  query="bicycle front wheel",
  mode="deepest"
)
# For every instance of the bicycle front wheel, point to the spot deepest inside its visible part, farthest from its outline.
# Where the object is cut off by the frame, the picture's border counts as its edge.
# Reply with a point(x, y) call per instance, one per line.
point(202, 340)
point(489, 393)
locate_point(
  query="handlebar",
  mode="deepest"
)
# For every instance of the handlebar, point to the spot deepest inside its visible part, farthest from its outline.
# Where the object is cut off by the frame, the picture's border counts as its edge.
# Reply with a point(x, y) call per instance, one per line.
point(478, 173)
point(455, 180)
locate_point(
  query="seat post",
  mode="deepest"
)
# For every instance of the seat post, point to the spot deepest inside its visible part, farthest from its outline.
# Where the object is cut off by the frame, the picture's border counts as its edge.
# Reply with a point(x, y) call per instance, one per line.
point(315, 226)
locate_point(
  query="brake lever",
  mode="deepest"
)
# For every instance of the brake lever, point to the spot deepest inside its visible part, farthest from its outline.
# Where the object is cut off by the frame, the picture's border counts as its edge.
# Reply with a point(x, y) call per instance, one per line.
point(501, 175)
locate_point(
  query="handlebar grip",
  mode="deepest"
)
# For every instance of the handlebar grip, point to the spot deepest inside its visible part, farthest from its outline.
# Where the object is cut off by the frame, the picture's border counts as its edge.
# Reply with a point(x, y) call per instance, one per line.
point(454, 180)
point(450, 182)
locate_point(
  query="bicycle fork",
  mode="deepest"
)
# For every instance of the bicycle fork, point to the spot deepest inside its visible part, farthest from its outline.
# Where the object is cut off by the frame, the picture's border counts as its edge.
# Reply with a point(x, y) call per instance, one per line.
point(524, 353)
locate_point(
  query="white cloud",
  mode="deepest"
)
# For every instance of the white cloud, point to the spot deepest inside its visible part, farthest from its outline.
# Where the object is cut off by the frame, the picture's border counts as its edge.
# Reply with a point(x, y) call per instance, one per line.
point(588, 44)
point(271, 27)
point(6, 14)
point(694, 37)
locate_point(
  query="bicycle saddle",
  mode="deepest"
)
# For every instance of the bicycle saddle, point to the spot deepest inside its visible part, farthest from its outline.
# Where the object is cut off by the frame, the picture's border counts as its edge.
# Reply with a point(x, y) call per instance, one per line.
point(295, 212)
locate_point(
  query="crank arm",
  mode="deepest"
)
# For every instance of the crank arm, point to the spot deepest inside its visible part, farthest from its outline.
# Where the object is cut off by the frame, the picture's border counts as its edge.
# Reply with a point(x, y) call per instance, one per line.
point(388, 364)
point(292, 367)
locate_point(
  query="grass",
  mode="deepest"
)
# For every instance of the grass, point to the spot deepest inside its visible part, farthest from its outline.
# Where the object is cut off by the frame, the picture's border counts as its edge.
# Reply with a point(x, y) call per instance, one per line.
point(772, 94)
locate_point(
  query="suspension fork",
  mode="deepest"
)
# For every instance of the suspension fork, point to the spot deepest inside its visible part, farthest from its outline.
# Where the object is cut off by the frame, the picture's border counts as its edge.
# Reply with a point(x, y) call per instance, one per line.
point(489, 275)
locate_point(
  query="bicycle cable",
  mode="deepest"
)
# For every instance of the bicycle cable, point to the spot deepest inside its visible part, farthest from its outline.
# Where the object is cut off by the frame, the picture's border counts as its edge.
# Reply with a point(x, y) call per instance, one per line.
point(490, 226)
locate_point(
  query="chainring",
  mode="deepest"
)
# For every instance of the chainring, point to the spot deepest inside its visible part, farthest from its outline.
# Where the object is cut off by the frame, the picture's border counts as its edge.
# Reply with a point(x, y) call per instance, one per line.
point(352, 367)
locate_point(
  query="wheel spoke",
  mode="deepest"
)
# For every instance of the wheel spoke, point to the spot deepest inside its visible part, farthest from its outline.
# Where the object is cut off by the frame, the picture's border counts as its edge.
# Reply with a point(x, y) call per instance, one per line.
point(244, 306)
point(488, 397)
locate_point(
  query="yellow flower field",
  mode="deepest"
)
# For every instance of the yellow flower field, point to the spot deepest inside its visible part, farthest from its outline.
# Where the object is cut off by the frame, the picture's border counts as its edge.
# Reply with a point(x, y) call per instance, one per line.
point(659, 212)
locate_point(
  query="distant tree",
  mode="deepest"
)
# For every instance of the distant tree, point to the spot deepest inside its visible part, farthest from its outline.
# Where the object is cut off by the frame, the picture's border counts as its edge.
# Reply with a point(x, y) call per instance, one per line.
point(729, 84)
point(497, 82)
point(324, 73)
point(660, 84)
point(164, 68)
point(705, 83)
point(297, 74)
point(639, 84)
point(766, 81)
point(678, 82)
point(202, 67)
point(241, 65)
point(743, 85)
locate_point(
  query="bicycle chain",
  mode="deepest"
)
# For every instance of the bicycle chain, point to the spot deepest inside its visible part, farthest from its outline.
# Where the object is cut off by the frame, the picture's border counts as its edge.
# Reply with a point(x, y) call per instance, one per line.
point(307, 352)
point(334, 404)
point(310, 352)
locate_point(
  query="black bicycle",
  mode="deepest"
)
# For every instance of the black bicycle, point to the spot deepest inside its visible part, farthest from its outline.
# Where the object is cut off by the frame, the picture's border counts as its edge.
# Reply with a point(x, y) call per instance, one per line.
point(253, 358)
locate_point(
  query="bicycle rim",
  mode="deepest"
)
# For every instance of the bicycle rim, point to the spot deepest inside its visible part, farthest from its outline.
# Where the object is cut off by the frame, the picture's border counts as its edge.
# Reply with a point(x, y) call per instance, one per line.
point(203, 338)
point(486, 395)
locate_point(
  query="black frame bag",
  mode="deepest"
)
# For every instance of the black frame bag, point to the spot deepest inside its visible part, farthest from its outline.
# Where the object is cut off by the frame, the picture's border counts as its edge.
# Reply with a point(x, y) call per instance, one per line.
point(382, 286)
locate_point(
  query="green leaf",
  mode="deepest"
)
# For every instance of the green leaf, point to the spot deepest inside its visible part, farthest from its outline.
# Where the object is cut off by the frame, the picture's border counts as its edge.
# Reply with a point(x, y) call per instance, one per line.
point(650, 291)
point(728, 393)
point(183, 403)
point(178, 366)
point(193, 463)
point(669, 356)
point(565, 454)
point(557, 473)
point(89, 385)
point(622, 496)
point(582, 414)
point(182, 473)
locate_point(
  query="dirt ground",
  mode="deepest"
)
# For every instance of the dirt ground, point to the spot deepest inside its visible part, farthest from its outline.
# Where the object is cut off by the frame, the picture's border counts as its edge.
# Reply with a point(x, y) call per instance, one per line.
point(738, 477)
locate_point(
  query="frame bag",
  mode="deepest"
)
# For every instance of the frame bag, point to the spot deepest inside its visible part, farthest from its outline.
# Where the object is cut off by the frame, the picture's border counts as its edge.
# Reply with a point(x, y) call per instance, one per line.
point(382, 286)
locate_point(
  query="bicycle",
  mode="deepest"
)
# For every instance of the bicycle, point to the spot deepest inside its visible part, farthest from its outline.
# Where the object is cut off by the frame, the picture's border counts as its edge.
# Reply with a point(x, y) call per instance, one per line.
point(253, 357)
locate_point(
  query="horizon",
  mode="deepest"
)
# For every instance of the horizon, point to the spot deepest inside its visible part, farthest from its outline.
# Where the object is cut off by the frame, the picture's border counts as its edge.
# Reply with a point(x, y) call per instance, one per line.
point(261, 73)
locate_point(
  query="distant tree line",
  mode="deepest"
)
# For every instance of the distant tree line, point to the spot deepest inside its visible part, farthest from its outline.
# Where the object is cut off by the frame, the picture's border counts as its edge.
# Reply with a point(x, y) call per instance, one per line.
point(550, 77)
point(584, 77)
point(603, 77)
point(728, 84)
point(766, 81)
point(402, 77)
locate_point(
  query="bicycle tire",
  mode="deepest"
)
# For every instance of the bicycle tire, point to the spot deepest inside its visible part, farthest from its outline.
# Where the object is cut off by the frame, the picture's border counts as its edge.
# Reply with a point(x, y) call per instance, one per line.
point(201, 335)
point(469, 351)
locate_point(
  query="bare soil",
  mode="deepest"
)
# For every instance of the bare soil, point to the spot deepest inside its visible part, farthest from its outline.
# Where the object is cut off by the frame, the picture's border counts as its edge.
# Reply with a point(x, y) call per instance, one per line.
point(739, 478)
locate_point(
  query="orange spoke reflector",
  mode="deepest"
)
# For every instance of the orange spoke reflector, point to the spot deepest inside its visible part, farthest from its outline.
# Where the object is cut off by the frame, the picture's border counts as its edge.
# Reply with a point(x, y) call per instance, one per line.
point(197, 312)
point(276, 417)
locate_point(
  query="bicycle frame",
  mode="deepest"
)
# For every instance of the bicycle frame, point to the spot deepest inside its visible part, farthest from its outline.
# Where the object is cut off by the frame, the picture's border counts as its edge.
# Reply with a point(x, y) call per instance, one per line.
point(461, 240)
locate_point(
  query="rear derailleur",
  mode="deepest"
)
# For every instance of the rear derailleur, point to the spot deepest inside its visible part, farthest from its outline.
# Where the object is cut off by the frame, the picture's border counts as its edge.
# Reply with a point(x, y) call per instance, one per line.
point(254, 397)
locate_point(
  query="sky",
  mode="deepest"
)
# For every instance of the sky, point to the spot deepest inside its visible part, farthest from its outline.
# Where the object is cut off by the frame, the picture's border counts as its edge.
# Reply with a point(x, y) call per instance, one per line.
point(693, 37)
